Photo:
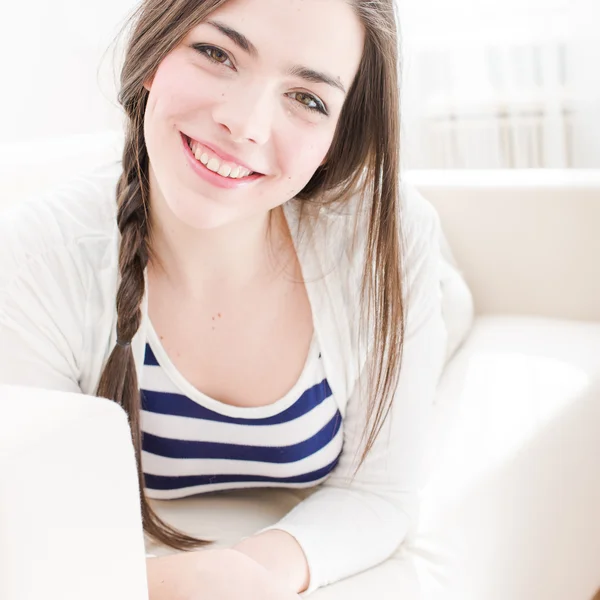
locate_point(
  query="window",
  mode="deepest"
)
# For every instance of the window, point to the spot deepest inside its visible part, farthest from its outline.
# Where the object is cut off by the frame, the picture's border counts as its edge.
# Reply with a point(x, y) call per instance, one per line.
point(489, 84)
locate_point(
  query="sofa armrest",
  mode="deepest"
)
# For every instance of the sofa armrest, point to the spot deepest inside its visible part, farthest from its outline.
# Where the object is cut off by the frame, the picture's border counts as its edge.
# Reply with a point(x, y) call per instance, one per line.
point(527, 242)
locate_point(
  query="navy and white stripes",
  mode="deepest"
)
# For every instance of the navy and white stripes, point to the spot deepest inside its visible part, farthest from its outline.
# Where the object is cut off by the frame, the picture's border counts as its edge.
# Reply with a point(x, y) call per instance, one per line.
point(193, 444)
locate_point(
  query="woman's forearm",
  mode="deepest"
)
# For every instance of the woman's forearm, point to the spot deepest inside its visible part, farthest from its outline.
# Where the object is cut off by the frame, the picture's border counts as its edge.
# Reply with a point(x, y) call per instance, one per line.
point(281, 554)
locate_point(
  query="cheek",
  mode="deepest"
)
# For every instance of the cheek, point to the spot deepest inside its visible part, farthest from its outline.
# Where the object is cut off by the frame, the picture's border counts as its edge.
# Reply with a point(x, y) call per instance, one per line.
point(171, 96)
point(299, 159)
point(302, 153)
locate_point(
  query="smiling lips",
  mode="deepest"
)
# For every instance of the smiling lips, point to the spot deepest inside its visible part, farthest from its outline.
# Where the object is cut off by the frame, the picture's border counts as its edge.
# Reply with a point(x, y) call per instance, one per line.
point(212, 162)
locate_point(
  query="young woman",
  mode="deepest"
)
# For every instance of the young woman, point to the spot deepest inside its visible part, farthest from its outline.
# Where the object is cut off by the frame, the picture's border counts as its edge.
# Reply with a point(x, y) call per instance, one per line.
point(252, 284)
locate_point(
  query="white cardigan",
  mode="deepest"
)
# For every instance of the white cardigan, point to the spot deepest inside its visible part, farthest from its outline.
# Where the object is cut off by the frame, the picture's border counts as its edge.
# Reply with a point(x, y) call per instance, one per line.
point(58, 284)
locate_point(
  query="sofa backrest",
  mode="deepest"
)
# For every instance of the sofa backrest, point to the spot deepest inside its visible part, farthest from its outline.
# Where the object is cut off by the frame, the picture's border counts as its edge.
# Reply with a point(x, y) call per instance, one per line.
point(527, 241)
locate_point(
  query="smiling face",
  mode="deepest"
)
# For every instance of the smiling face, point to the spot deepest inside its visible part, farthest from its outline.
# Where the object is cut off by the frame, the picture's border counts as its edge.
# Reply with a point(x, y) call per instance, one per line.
point(259, 86)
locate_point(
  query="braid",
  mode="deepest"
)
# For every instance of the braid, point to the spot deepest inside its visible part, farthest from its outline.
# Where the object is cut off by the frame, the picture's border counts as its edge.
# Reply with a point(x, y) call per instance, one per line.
point(119, 380)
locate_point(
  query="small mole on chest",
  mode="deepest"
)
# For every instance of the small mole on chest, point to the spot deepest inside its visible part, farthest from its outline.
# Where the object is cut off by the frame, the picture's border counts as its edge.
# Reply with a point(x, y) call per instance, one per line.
point(217, 317)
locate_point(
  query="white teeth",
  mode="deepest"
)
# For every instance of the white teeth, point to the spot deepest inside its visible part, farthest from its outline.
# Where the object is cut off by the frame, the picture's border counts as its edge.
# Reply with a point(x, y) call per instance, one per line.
point(224, 170)
point(215, 165)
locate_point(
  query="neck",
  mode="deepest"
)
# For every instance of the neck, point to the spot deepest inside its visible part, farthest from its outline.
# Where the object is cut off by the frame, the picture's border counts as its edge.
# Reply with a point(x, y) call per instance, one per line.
point(229, 257)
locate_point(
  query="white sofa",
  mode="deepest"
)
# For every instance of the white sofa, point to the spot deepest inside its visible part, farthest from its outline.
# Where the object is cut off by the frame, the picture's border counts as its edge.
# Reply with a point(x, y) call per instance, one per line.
point(511, 509)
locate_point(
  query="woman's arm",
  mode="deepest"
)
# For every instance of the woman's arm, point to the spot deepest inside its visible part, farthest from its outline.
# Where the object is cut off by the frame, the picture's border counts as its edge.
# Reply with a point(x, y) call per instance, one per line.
point(42, 304)
point(56, 249)
point(281, 554)
point(209, 574)
point(42, 297)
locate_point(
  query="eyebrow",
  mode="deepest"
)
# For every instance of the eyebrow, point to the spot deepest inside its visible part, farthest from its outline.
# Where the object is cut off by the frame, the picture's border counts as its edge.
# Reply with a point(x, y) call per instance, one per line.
point(240, 40)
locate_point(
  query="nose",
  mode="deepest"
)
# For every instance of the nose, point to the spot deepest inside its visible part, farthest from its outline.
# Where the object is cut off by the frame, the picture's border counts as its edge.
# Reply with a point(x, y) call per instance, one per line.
point(246, 113)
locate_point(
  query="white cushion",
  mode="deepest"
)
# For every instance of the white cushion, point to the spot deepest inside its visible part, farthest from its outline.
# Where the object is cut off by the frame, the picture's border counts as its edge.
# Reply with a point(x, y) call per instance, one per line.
point(514, 486)
point(511, 376)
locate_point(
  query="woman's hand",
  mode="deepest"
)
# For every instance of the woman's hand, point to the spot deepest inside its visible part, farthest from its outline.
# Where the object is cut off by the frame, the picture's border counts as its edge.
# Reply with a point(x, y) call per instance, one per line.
point(220, 574)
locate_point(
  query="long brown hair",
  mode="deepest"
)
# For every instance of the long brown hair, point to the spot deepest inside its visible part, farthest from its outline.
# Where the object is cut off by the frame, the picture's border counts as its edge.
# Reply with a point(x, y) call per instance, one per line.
point(364, 155)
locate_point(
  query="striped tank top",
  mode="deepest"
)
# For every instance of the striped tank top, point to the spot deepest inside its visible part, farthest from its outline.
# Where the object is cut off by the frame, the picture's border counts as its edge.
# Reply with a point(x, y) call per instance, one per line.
point(192, 443)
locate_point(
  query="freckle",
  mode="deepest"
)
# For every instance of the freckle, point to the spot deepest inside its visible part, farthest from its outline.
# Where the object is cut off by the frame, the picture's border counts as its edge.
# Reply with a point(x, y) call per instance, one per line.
point(219, 315)
point(213, 327)
point(213, 318)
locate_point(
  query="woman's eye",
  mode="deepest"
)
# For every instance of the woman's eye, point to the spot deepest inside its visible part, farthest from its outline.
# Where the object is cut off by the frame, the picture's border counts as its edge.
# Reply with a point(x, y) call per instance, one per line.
point(310, 102)
point(215, 55)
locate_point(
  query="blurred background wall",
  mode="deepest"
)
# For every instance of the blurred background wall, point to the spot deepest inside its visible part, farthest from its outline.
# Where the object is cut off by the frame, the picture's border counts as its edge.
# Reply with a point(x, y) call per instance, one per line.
point(485, 84)
point(501, 84)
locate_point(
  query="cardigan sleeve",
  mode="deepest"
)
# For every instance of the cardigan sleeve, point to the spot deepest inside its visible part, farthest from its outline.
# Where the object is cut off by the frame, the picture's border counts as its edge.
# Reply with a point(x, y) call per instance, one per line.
point(42, 303)
point(351, 524)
